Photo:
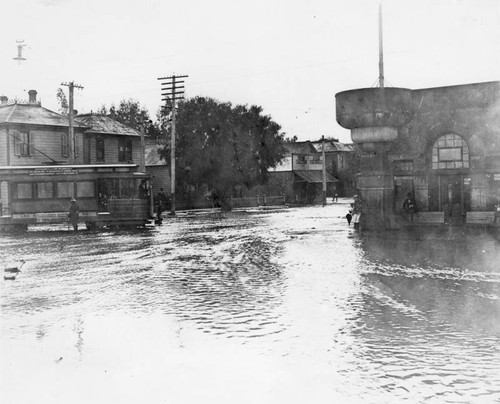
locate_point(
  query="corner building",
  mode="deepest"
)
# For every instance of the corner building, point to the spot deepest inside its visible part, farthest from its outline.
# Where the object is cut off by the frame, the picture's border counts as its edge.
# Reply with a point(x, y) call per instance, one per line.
point(441, 144)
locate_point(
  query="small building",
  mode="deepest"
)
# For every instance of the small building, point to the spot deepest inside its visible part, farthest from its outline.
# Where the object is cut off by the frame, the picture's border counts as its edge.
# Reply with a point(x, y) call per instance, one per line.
point(441, 145)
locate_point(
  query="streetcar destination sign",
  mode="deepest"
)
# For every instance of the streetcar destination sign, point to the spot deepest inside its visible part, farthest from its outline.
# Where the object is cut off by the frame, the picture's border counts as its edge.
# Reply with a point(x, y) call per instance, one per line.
point(54, 171)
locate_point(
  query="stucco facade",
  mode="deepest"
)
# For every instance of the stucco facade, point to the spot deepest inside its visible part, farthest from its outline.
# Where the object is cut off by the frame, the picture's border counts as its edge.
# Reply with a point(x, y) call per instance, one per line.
point(440, 144)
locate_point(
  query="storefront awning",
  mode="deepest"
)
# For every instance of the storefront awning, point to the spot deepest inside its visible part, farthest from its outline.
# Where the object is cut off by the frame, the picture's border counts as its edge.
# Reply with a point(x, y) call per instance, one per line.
point(314, 176)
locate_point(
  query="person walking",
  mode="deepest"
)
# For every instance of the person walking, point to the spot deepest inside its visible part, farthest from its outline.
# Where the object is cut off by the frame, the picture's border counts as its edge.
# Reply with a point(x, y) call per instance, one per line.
point(349, 216)
point(74, 214)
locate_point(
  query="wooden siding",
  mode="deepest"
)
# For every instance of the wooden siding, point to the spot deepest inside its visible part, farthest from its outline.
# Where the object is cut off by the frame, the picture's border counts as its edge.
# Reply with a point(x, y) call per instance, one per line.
point(111, 149)
point(161, 179)
point(3, 147)
point(46, 142)
point(4, 200)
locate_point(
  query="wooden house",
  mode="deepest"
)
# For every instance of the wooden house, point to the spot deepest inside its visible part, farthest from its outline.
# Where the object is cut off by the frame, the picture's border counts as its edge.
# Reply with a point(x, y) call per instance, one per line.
point(107, 141)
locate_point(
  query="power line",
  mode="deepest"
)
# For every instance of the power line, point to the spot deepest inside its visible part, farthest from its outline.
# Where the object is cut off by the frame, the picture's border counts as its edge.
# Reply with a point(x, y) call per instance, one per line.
point(174, 92)
point(71, 85)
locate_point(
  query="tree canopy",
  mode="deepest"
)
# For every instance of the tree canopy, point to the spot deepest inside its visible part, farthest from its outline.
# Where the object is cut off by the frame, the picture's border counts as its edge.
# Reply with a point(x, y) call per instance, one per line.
point(131, 113)
point(221, 146)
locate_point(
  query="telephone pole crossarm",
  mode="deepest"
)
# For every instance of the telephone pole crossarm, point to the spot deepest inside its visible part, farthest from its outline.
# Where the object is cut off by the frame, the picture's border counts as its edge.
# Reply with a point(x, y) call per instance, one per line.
point(174, 92)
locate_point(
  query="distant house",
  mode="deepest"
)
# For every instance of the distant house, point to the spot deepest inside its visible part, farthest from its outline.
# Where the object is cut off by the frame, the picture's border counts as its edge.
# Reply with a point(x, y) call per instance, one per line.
point(341, 163)
point(299, 176)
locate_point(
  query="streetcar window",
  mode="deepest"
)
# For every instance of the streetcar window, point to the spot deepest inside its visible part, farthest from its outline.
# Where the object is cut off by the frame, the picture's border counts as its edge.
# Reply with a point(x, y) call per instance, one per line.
point(85, 189)
point(24, 191)
point(45, 190)
point(65, 190)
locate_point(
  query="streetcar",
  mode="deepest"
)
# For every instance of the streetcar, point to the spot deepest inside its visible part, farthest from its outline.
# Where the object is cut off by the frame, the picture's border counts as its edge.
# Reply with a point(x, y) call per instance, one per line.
point(107, 195)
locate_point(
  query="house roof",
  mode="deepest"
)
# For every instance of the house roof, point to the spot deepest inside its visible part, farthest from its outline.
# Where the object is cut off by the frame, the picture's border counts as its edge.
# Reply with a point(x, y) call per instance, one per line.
point(102, 124)
point(314, 176)
point(33, 114)
point(300, 147)
point(308, 147)
point(332, 147)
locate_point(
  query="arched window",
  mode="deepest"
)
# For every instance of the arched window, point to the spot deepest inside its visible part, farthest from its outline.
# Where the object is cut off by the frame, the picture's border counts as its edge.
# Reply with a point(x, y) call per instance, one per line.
point(450, 151)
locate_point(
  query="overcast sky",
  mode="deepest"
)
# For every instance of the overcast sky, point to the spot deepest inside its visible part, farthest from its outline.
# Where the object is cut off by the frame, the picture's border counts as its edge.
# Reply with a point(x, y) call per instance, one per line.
point(291, 57)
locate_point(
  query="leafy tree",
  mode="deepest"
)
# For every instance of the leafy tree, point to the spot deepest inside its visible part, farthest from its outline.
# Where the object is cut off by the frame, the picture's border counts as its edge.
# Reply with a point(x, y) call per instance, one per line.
point(63, 102)
point(219, 146)
point(130, 113)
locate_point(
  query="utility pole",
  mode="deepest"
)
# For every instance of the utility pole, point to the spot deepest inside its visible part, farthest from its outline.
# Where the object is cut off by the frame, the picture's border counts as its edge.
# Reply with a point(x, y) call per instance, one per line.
point(324, 168)
point(380, 49)
point(174, 92)
point(71, 136)
point(143, 148)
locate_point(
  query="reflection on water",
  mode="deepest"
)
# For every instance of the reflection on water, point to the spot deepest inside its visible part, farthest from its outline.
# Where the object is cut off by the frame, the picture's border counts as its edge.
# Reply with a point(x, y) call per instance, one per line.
point(284, 306)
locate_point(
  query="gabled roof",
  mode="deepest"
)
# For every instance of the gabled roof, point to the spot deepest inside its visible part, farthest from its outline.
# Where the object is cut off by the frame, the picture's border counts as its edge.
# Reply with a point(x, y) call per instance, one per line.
point(102, 124)
point(300, 147)
point(332, 147)
point(33, 114)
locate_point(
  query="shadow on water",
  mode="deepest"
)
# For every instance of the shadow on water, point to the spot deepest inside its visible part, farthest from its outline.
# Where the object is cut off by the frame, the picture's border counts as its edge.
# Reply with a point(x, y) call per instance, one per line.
point(451, 279)
point(428, 314)
point(473, 249)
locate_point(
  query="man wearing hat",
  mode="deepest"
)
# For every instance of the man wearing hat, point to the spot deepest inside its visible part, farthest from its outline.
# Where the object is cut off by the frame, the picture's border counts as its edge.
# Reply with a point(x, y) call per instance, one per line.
point(74, 214)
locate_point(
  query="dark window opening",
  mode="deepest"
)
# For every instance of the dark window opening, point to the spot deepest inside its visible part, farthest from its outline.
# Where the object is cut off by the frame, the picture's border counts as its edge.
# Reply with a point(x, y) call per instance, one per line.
point(99, 149)
point(125, 150)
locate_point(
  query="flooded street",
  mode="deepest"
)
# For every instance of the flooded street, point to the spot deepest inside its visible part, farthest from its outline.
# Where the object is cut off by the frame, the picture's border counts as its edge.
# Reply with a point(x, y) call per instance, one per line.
point(278, 306)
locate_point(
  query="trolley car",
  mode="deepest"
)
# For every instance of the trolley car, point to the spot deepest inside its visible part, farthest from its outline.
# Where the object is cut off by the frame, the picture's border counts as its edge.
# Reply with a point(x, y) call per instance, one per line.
point(107, 195)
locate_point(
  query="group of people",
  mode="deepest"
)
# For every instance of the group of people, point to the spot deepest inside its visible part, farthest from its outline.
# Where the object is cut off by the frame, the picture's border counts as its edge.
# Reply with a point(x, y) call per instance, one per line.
point(354, 214)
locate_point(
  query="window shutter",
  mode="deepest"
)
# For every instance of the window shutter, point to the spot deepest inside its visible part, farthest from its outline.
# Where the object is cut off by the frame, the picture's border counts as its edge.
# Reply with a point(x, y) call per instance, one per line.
point(31, 143)
point(17, 143)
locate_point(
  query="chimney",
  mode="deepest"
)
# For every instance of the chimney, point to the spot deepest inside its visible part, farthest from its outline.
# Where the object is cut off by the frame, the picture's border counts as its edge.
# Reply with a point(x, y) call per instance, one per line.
point(4, 99)
point(32, 95)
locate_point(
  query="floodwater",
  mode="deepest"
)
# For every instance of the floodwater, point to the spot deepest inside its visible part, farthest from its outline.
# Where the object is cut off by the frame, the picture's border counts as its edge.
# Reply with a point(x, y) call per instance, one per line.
point(277, 306)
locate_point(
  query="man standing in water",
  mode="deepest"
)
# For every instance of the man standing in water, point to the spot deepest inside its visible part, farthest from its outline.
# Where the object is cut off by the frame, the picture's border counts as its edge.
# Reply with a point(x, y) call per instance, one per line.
point(409, 207)
point(74, 214)
point(161, 204)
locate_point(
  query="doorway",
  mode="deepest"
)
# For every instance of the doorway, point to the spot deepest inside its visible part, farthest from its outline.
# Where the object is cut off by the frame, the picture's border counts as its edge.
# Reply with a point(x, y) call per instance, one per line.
point(451, 197)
